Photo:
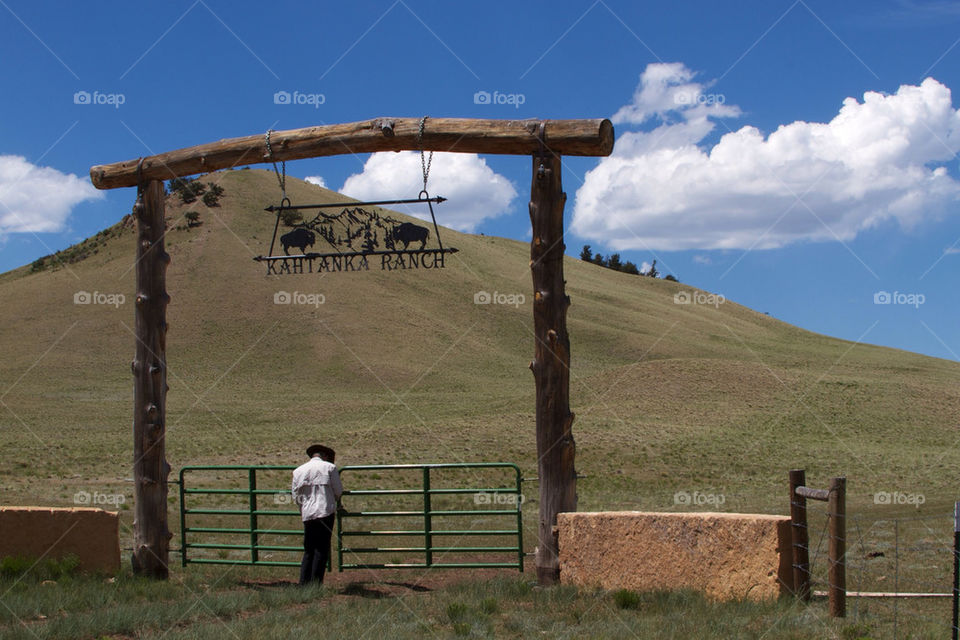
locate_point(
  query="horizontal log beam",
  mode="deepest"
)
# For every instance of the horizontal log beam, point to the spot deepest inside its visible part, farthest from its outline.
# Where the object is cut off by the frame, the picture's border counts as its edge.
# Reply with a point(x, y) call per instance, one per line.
point(813, 494)
point(462, 135)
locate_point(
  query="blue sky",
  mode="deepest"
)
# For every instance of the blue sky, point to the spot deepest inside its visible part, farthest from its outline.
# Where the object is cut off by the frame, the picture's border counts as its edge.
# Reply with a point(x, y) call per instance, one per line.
point(796, 157)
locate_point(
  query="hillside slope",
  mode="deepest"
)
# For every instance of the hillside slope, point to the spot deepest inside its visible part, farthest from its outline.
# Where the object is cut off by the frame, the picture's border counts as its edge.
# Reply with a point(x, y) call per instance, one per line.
point(404, 366)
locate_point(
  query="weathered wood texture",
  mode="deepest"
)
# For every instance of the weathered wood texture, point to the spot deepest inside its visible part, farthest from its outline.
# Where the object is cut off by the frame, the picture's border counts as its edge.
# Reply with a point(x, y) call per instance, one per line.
point(551, 363)
point(567, 137)
point(836, 499)
point(813, 494)
point(837, 508)
point(798, 518)
point(151, 543)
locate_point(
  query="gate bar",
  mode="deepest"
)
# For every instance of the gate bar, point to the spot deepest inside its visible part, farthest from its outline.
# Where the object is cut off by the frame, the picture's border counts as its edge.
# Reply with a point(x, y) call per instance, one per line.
point(347, 205)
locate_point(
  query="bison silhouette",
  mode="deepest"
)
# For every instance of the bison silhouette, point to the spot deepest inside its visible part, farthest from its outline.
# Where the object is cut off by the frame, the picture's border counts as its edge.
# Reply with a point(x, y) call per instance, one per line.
point(408, 232)
point(299, 238)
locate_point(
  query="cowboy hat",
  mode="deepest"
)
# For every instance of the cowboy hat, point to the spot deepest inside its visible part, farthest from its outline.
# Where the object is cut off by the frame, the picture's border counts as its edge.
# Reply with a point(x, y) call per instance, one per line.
point(326, 453)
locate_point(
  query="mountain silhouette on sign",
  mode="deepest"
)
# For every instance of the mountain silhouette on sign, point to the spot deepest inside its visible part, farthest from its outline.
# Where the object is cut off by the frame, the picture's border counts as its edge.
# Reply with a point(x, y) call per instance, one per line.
point(363, 230)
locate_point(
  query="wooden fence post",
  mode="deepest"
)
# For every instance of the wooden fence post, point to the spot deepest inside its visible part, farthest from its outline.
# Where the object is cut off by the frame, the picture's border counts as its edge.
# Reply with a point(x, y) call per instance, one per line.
point(151, 537)
point(837, 507)
point(551, 362)
point(800, 536)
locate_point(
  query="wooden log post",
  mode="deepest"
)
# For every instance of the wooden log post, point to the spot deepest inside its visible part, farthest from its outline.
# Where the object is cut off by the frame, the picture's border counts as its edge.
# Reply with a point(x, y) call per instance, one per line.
point(151, 537)
point(799, 535)
point(551, 362)
point(837, 511)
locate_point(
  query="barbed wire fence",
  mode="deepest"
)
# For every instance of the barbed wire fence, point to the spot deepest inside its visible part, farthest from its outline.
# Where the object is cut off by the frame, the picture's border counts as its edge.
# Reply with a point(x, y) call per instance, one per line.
point(900, 572)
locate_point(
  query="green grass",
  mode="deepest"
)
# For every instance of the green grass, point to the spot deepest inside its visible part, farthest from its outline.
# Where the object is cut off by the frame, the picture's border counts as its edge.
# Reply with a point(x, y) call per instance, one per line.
point(19, 567)
point(404, 367)
point(208, 603)
point(626, 599)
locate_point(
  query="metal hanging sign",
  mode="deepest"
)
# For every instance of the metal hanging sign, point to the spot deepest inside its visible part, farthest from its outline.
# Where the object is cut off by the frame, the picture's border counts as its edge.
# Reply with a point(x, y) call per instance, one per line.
point(357, 238)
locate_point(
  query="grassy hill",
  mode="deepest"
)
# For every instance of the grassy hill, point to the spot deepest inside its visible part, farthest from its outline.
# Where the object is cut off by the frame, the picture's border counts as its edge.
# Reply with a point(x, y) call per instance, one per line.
point(403, 367)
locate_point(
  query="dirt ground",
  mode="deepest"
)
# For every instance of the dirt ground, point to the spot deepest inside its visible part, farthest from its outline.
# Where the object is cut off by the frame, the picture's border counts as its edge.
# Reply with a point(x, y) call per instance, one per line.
point(383, 583)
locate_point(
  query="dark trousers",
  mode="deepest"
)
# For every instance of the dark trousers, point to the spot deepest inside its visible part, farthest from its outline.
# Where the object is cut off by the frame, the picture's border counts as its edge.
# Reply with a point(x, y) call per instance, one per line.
point(316, 548)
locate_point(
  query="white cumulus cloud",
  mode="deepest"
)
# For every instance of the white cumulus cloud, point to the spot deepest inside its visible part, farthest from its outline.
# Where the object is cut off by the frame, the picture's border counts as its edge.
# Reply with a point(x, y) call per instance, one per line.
point(38, 199)
point(878, 160)
point(474, 192)
point(317, 180)
point(667, 89)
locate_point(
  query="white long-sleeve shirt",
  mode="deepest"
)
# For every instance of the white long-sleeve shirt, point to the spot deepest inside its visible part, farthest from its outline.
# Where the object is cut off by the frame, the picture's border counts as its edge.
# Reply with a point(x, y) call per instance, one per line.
point(316, 488)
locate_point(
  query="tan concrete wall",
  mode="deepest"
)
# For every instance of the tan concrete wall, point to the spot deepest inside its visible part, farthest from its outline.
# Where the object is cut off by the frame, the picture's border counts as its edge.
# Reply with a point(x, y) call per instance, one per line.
point(724, 555)
point(93, 535)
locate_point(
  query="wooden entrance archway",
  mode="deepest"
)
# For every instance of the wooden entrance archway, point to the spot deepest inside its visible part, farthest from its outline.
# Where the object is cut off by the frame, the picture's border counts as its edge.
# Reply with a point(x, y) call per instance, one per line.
point(547, 141)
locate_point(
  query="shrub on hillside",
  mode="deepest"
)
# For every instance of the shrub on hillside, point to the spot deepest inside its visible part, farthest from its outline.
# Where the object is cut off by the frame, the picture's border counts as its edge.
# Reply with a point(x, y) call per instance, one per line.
point(212, 197)
point(187, 190)
point(614, 262)
point(176, 185)
point(291, 218)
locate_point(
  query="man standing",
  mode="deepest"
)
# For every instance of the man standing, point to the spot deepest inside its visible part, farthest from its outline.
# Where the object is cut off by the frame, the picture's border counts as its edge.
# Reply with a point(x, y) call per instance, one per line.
point(316, 490)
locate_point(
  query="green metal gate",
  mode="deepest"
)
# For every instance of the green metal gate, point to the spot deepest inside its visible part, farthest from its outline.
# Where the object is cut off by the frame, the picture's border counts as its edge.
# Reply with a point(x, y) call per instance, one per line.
point(428, 517)
point(243, 519)
point(242, 529)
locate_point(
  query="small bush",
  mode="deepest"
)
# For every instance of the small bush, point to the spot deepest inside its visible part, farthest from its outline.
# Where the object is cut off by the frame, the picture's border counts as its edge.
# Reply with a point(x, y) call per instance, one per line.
point(291, 218)
point(187, 190)
point(489, 605)
point(457, 611)
point(15, 565)
point(176, 185)
point(856, 632)
point(58, 568)
point(626, 599)
point(212, 197)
